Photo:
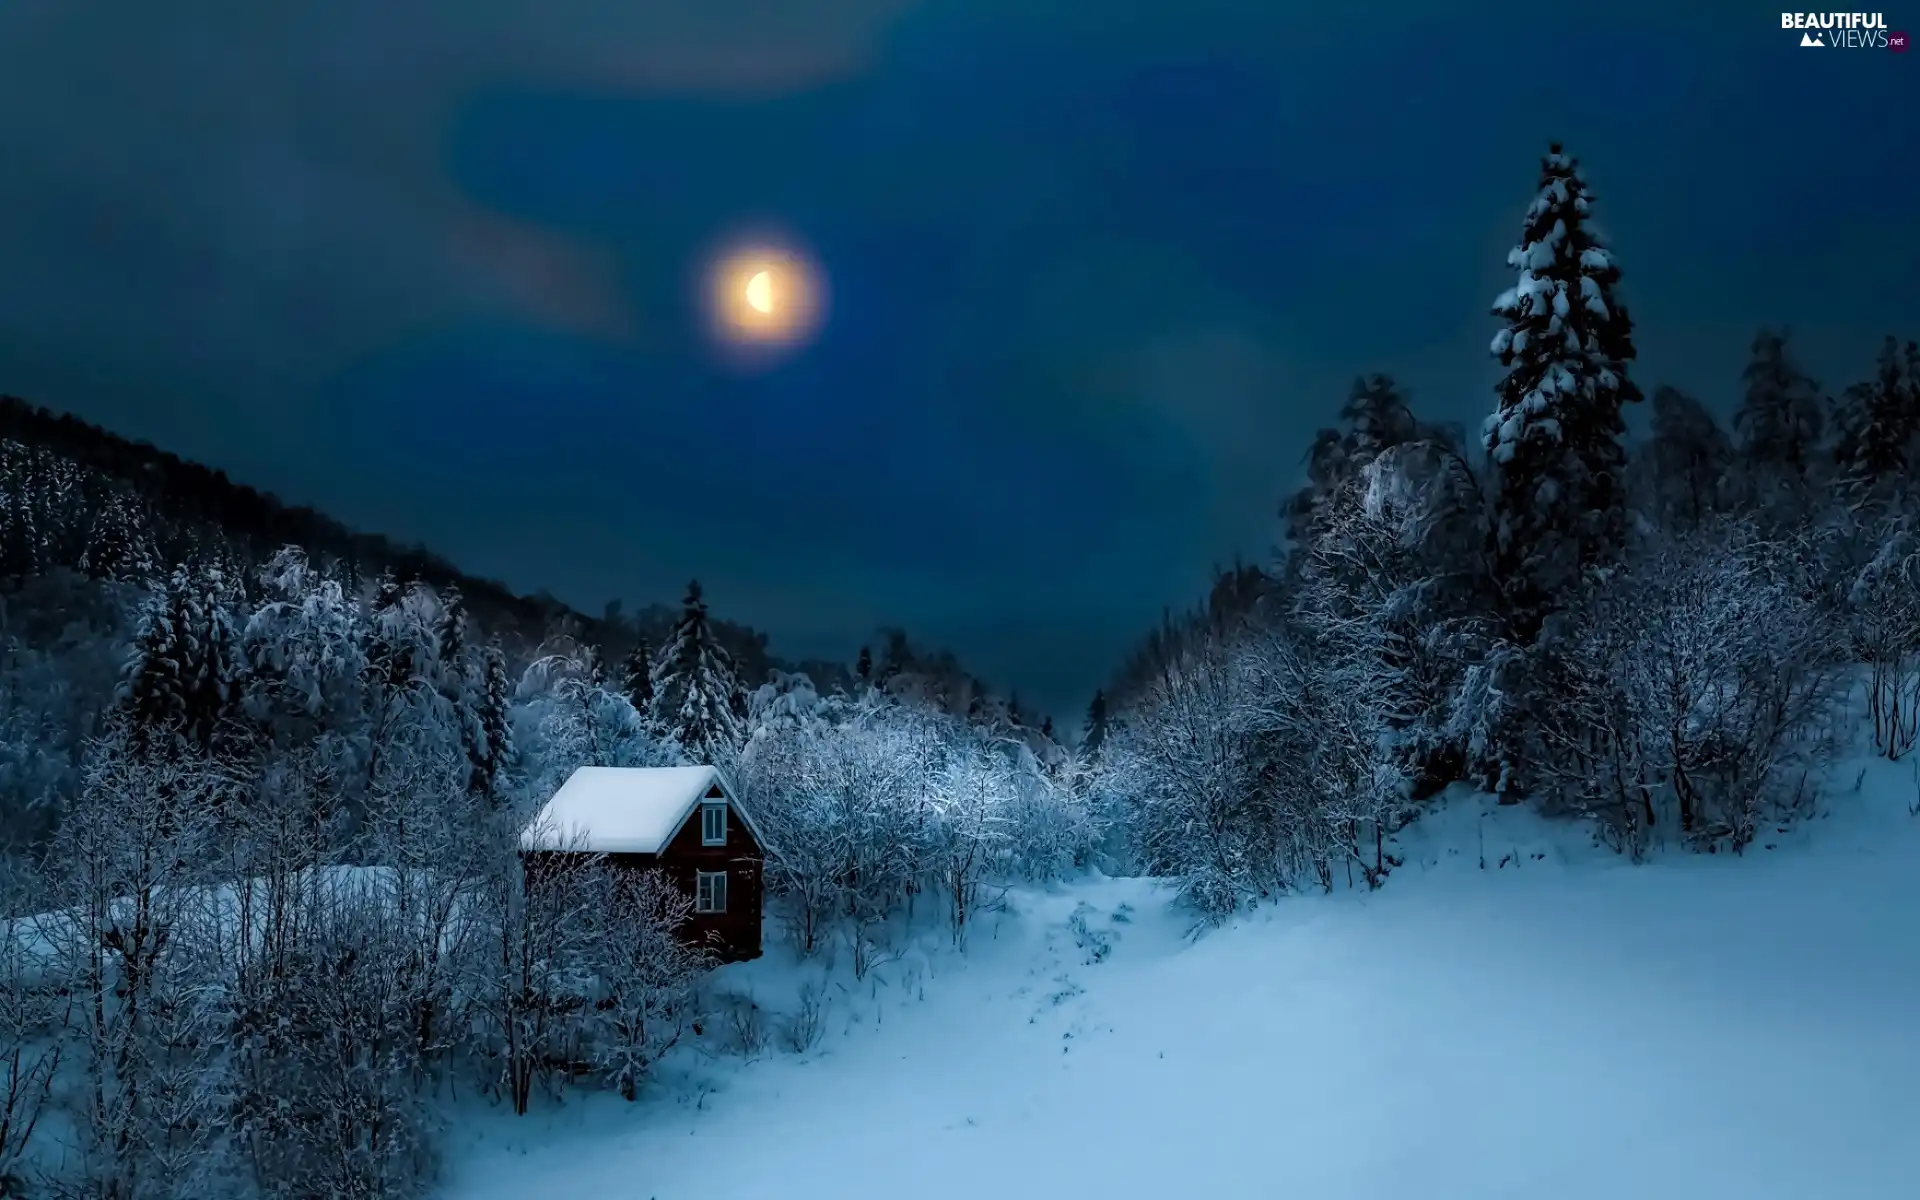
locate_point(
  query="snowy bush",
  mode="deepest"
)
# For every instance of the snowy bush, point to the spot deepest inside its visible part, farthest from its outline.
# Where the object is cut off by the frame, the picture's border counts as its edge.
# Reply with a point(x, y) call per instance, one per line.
point(801, 1029)
point(871, 803)
point(1883, 608)
point(1692, 691)
point(1189, 761)
point(645, 976)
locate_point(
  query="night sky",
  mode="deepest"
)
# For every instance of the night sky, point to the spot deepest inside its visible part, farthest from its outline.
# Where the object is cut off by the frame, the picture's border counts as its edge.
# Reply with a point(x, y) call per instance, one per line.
point(1098, 269)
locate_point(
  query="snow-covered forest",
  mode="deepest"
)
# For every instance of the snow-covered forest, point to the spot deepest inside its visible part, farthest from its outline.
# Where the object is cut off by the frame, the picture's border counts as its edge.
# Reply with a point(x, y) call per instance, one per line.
point(262, 802)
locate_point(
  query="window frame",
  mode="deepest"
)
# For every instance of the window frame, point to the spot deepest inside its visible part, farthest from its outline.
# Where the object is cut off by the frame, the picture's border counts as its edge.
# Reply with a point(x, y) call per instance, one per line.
point(707, 809)
point(709, 892)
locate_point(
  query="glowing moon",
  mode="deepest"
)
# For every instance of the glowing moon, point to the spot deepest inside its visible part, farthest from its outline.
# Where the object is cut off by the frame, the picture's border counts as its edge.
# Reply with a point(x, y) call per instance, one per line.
point(760, 292)
point(762, 298)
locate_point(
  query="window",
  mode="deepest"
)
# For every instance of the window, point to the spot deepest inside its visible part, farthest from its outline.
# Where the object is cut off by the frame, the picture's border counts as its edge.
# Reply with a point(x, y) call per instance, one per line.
point(713, 824)
point(710, 892)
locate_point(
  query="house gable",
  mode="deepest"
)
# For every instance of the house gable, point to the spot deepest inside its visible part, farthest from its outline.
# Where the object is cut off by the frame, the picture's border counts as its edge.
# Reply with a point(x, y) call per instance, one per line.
point(743, 837)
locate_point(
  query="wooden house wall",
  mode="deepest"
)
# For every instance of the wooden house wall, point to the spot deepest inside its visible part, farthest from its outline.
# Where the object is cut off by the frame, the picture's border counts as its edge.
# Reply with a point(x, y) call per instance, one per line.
point(735, 934)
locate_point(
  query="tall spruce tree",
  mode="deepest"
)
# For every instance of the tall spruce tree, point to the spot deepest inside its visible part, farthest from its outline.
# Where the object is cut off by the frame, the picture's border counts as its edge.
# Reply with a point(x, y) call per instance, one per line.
point(186, 677)
point(1879, 424)
point(1555, 438)
point(1374, 419)
point(694, 687)
point(450, 634)
point(1780, 421)
point(1689, 459)
point(492, 750)
point(1096, 734)
point(636, 679)
point(119, 546)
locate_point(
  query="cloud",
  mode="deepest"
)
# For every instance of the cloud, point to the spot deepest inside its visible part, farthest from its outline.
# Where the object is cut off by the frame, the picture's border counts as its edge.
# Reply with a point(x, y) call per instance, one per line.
point(263, 180)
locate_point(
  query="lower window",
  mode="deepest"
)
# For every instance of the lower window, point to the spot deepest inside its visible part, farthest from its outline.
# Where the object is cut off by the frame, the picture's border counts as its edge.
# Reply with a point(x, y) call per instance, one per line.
point(710, 892)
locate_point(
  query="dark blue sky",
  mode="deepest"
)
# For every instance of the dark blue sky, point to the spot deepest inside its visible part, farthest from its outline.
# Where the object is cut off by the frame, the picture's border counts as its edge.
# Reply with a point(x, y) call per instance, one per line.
point(1098, 270)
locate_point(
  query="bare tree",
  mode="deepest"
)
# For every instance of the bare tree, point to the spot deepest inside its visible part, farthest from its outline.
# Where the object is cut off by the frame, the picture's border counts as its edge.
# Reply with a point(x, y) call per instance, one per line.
point(135, 931)
point(531, 977)
point(969, 835)
point(1192, 765)
point(646, 975)
point(33, 1015)
point(1697, 684)
point(1884, 609)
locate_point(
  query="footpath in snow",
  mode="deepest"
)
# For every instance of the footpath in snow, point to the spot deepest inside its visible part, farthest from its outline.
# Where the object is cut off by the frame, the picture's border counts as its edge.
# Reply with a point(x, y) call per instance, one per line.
point(1563, 1026)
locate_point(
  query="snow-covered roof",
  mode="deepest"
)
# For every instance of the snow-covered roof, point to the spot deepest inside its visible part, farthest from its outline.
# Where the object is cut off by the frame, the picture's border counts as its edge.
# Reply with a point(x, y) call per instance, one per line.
point(624, 810)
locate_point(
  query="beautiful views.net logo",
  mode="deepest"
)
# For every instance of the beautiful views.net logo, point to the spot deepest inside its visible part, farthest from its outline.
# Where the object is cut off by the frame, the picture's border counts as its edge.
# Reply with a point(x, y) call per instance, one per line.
point(1853, 31)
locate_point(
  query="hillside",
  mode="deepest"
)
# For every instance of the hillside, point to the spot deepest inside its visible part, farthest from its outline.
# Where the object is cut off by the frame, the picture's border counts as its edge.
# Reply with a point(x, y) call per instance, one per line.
point(59, 474)
point(1556, 1022)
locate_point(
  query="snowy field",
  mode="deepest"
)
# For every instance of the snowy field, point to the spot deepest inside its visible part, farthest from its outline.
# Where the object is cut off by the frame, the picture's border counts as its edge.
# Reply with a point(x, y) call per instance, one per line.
point(1565, 1026)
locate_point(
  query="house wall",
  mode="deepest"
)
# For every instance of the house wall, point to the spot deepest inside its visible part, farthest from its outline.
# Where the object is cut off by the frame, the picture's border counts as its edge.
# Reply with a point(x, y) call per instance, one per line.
point(735, 934)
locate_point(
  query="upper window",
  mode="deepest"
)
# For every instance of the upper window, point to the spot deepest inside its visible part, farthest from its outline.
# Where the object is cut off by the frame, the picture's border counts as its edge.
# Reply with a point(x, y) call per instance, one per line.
point(710, 891)
point(713, 824)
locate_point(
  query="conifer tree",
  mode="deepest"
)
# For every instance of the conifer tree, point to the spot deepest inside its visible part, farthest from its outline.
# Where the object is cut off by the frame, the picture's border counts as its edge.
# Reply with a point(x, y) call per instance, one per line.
point(1879, 425)
point(1780, 421)
point(1689, 458)
point(694, 686)
point(1374, 419)
point(863, 667)
point(450, 634)
point(492, 749)
point(637, 677)
point(186, 676)
point(1096, 734)
point(390, 648)
point(1555, 438)
point(896, 659)
point(20, 551)
point(118, 545)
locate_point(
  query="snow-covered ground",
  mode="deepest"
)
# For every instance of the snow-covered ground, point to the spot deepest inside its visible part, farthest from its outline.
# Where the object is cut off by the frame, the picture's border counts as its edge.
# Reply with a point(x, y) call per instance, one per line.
point(1565, 1025)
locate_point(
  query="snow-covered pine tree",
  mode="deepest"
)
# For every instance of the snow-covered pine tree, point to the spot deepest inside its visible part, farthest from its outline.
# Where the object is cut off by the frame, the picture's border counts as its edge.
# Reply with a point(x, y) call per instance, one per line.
point(1879, 424)
point(20, 549)
point(1555, 438)
point(637, 677)
point(119, 547)
point(456, 677)
point(1780, 422)
point(153, 691)
point(694, 686)
point(1374, 419)
point(405, 631)
point(304, 647)
point(1096, 732)
point(450, 638)
point(186, 675)
point(492, 749)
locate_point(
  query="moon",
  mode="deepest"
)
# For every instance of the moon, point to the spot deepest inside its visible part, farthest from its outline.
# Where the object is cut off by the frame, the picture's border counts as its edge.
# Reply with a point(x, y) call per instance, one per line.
point(760, 292)
point(763, 297)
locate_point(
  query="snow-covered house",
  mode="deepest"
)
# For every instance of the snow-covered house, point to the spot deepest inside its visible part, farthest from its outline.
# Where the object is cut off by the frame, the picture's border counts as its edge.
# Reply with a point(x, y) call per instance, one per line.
point(683, 821)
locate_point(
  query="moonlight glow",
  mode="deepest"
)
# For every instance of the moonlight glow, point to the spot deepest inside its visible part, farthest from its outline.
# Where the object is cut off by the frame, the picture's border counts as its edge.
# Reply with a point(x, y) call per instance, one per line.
point(763, 297)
